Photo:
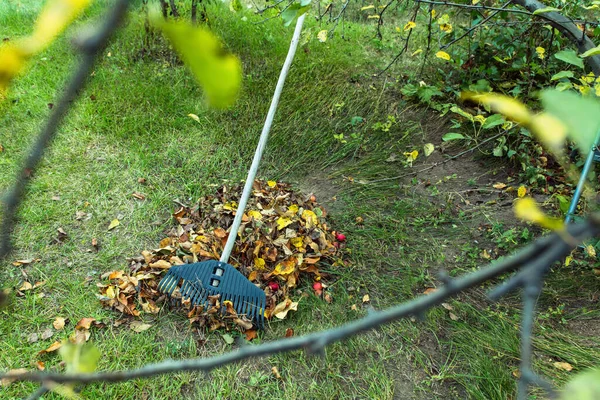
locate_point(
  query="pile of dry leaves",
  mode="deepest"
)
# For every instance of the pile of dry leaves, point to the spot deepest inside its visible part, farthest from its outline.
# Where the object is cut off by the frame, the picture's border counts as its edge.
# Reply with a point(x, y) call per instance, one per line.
point(284, 237)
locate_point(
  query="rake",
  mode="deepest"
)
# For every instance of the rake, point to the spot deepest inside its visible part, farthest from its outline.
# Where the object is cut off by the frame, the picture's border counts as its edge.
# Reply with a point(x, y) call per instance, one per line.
point(198, 281)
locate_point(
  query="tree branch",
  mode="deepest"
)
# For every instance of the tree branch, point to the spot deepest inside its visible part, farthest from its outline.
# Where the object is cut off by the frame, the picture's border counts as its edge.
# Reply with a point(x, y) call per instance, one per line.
point(537, 258)
point(91, 46)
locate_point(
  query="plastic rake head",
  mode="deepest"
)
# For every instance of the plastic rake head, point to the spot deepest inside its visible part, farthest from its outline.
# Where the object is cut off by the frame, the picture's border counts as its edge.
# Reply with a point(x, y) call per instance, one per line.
point(209, 278)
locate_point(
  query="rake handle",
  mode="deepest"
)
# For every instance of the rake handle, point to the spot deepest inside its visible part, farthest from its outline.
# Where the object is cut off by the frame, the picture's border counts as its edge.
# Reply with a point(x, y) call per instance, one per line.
point(262, 143)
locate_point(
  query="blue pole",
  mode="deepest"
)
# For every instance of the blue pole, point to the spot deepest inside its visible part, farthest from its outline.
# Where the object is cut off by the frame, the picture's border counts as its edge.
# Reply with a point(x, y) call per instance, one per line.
point(584, 173)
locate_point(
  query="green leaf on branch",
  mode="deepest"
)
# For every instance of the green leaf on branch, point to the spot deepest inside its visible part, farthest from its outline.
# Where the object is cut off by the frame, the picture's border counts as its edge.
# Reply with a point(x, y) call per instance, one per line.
point(452, 136)
point(219, 73)
point(570, 57)
point(545, 10)
point(591, 52)
point(294, 11)
point(581, 115)
point(492, 121)
point(562, 74)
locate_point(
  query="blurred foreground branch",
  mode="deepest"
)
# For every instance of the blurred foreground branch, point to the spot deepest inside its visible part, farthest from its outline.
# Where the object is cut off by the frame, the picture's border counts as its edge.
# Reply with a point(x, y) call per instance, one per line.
point(532, 263)
point(91, 46)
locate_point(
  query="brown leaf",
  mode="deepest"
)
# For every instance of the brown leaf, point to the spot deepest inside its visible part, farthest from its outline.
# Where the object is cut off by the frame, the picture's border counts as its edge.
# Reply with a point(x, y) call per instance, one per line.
point(7, 381)
point(243, 323)
point(251, 334)
point(32, 338)
point(53, 347)
point(47, 334)
point(447, 306)
point(161, 264)
point(40, 365)
point(565, 366)
point(430, 290)
point(220, 233)
point(289, 332)
point(275, 372)
point(25, 287)
point(139, 196)
point(142, 180)
point(453, 317)
point(85, 323)
point(139, 326)
point(80, 336)
point(59, 323)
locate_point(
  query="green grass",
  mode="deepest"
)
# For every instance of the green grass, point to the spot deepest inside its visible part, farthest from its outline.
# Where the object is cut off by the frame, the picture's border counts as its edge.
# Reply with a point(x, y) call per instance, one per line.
point(132, 122)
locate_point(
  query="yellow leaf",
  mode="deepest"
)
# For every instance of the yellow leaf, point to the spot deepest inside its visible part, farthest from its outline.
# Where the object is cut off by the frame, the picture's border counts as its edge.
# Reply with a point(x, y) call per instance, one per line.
point(366, 298)
point(479, 118)
point(428, 148)
point(259, 263)
point(563, 365)
point(499, 185)
point(12, 62)
point(281, 310)
point(433, 13)
point(113, 224)
point(446, 28)
point(373, 17)
point(194, 117)
point(218, 72)
point(528, 210)
point(443, 55)
point(110, 292)
point(505, 105)
point(590, 250)
point(549, 130)
point(293, 208)
point(283, 222)
point(522, 191)
point(412, 155)
point(285, 268)
point(310, 217)
point(541, 52)
point(474, 2)
point(367, 7)
point(409, 25)
point(271, 184)
point(419, 51)
point(255, 214)
point(568, 260)
point(322, 36)
point(296, 242)
point(54, 18)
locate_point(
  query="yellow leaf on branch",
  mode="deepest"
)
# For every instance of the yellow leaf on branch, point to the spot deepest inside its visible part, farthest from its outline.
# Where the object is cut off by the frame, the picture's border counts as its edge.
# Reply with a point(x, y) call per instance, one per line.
point(409, 25)
point(443, 55)
point(527, 209)
point(505, 105)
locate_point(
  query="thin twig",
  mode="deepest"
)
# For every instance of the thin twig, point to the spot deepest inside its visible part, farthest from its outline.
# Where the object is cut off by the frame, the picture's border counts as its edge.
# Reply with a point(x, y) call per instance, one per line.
point(474, 6)
point(91, 47)
point(468, 31)
point(316, 342)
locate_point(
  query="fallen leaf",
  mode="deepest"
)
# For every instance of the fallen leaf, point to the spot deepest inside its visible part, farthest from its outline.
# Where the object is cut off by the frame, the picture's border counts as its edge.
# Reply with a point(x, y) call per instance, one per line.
point(59, 323)
point(281, 310)
point(25, 287)
point(276, 373)
point(32, 338)
point(565, 366)
point(161, 264)
point(80, 336)
point(228, 338)
point(289, 332)
point(453, 317)
point(522, 191)
point(53, 347)
point(139, 196)
point(7, 381)
point(322, 36)
point(429, 291)
point(113, 224)
point(194, 117)
point(84, 323)
point(366, 298)
point(40, 365)
point(47, 334)
point(499, 186)
point(428, 148)
point(251, 334)
point(139, 326)
point(447, 306)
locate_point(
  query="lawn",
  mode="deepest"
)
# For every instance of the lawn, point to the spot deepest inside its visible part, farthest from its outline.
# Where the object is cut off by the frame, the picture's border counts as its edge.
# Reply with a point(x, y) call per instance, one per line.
point(132, 122)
